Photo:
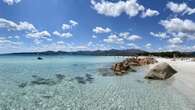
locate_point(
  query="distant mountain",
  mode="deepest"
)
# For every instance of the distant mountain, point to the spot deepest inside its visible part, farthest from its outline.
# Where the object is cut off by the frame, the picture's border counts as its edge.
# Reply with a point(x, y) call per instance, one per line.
point(112, 52)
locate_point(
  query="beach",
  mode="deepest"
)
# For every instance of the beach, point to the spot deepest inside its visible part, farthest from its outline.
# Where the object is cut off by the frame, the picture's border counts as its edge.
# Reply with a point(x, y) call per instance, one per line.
point(183, 81)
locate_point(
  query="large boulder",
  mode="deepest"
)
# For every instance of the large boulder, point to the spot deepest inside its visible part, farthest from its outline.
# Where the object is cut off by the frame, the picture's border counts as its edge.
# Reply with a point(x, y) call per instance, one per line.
point(161, 71)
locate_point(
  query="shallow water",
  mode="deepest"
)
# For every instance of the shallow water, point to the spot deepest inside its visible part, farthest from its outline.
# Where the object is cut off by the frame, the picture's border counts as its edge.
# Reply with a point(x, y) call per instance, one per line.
point(80, 86)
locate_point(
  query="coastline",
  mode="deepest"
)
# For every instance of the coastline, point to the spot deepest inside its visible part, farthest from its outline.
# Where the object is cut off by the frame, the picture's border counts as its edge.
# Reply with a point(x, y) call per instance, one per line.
point(183, 81)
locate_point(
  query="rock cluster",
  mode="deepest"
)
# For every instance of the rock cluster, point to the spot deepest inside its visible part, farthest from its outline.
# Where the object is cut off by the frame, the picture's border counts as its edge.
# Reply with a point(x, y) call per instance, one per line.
point(126, 65)
point(193, 59)
point(161, 71)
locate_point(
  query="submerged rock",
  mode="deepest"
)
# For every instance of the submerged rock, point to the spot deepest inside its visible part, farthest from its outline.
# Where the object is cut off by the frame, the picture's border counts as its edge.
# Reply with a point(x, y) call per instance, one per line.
point(105, 72)
point(42, 81)
point(37, 80)
point(60, 76)
point(89, 78)
point(85, 79)
point(22, 85)
point(161, 71)
point(39, 58)
point(80, 80)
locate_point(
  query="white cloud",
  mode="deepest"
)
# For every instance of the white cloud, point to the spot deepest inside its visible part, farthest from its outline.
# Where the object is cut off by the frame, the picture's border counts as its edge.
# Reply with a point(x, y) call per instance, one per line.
point(21, 26)
point(60, 42)
point(134, 38)
point(65, 35)
point(49, 39)
point(73, 23)
point(175, 40)
point(66, 27)
point(13, 37)
point(178, 31)
point(149, 13)
point(4, 42)
point(99, 30)
point(132, 45)
point(148, 45)
point(38, 35)
point(178, 25)
point(180, 8)
point(126, 35)
point(89, 44)
point(184, 35)
point(26, 26)
point(94, 36)
point(70, 25)
point(178, 47)
point(62, 46)
point(114, 39)
point(29, 29)
point(11, 2)
point(161, 35)
point(130, 7)
point(17, 37)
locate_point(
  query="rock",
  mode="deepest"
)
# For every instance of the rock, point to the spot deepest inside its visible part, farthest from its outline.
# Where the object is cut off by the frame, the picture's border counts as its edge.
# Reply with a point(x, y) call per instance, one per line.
point(39, 58)
point(85, 79)
point(193, 59)
point(120, 68)
point(80, 80)
point(22, 85)
point(89, 78)
point(60, 76)
point(161, 71)
point(124, 66)
point(42, 81)
point(105, 72)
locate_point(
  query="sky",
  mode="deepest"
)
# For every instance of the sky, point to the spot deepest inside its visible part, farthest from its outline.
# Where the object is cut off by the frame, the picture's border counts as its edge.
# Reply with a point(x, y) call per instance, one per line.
point(72, 25)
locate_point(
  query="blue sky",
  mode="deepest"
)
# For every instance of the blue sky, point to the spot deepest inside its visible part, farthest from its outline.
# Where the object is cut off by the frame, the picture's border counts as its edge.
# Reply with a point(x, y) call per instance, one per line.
point(71, 25)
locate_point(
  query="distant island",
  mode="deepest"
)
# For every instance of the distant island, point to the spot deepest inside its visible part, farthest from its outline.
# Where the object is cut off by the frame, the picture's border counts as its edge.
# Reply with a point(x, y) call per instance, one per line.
point(112, 52)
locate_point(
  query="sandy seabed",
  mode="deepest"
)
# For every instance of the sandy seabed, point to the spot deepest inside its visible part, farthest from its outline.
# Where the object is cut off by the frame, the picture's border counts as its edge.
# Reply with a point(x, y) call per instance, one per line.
point(128, 92)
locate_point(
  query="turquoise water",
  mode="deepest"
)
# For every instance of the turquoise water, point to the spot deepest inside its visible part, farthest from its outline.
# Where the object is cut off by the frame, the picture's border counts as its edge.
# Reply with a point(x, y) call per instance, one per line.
point(81, 86)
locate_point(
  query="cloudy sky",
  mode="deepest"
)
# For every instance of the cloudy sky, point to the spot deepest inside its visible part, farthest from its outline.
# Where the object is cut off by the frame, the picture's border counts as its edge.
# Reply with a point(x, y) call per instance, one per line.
point(71, 25)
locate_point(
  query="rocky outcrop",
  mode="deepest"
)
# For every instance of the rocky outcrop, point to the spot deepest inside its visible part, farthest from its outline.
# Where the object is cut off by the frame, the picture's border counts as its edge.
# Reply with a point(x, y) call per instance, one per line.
point(121, 68)
point(193, 59)
point(161, 71)
point(126, 65)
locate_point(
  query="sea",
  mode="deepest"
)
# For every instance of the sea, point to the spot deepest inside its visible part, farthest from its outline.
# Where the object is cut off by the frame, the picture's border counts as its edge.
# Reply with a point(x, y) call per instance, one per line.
point(81, 83)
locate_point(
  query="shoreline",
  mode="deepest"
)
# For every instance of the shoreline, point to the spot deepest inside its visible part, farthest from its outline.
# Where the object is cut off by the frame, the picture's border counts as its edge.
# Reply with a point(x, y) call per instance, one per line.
point(183, 81)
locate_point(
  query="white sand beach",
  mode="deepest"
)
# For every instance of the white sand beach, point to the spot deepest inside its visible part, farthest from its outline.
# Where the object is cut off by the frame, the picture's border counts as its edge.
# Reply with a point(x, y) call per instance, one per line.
point(184, 80)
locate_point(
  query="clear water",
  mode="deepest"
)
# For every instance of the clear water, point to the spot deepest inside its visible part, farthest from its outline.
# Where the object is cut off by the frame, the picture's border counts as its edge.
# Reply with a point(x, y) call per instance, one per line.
point(129, 92)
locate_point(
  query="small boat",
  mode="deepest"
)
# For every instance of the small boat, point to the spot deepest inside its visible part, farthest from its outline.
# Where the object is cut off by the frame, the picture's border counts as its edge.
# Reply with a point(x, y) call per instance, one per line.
point(39, 58)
